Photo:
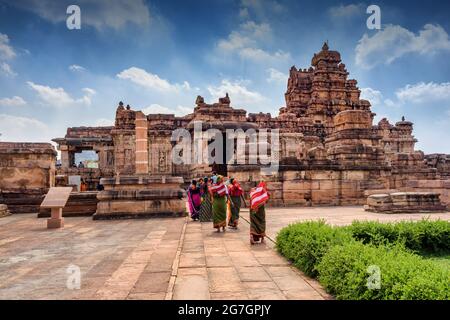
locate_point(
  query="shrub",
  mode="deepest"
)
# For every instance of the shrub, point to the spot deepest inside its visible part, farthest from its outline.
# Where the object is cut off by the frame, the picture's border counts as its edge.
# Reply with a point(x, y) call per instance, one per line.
point(404, 275)
point(305, 243)
point(421, 236)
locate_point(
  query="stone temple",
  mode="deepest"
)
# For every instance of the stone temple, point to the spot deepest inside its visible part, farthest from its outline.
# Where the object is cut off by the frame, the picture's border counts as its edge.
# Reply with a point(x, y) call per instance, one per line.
point(331, 152)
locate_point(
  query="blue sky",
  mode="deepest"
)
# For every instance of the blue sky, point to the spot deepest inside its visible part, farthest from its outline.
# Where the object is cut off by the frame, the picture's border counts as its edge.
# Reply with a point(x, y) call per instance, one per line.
point(158, 56)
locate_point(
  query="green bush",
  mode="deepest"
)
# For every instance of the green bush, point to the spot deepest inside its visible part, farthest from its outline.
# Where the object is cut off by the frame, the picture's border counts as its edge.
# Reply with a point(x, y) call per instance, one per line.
point(305, 243)
point(340, 257)
point(421, 236)
point(343, 271)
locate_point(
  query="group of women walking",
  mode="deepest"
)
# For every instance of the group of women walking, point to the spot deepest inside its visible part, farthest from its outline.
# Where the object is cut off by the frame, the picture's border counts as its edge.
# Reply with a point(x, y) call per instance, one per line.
point(218, 199)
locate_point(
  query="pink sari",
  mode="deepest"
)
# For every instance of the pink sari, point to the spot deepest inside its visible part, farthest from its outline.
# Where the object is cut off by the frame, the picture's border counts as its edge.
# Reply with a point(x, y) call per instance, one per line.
point(194, 201)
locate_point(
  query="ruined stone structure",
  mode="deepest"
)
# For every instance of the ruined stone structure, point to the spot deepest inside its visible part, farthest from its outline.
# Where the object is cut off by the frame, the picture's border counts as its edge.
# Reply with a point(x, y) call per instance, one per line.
point(404, 202)
point(98, 139)
point(137, 196)
point(330, 150)
point(27, 171)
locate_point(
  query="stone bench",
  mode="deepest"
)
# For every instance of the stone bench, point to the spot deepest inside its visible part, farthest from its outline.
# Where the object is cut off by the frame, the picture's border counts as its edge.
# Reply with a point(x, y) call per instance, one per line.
point(404, 202)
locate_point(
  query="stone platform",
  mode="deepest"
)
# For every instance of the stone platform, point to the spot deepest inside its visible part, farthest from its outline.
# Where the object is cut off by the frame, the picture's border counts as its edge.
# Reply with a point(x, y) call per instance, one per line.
point(23, 200)
point(140, 197)
point(404, 202)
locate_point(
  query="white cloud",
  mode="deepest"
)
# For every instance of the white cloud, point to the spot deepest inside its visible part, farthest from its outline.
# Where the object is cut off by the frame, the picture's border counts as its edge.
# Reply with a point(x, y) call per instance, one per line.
point(259, 55)
point(58, 97)
point(151, 81)
point(346, 11)
point(6, 51)
point(75, 68)
point(15, 101)
point(376, 98)
point(424, 92)
point(420, 94)
point(249, 34)
point(156, 108)
point(276, 76)
point(239, 94)
point(89, 91)
point(15, 128)
point(262, 8)
point(99, 14)
point(7, 70)
point(394, 41)
point(389, 103)
point(243, 13)
point(248, 41)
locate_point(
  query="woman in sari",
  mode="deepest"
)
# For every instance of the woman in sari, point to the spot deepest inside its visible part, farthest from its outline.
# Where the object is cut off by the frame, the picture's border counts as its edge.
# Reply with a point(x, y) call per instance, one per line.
point(219, 206)
point(258, 198)
point(205, 207)
point(194, 200)
point(235, 191)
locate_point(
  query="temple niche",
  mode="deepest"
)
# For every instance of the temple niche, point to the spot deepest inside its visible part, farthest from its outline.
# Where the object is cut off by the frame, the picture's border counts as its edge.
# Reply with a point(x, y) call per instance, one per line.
point(331, 152)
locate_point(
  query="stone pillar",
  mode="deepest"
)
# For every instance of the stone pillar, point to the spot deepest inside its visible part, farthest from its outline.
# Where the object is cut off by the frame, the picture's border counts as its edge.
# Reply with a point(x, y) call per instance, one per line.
point(141, 127)
point(65, 159)
point(56, 220)
point(102, 157)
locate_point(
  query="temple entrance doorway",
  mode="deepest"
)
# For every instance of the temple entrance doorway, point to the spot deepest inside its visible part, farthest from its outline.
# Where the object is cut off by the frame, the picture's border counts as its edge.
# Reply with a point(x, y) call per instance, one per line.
point(86, 158)
point(220, 168)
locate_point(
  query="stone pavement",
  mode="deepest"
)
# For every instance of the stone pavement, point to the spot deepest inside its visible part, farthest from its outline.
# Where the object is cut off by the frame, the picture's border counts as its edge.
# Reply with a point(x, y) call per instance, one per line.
point(119, 259)
point(161, 258)
point(225, 266)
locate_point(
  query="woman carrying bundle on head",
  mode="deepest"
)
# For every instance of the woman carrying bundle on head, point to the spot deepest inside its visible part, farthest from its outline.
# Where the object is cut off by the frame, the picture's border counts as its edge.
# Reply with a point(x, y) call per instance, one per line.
point(235, 191)
point(194, 200)
point(219, 194)
point(258, 198)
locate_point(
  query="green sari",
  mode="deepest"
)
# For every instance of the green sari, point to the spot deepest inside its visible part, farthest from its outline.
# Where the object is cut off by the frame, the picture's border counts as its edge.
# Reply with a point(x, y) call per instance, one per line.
point(234, 208)
point(205, 208)
point(219, 211)
point(258, 223)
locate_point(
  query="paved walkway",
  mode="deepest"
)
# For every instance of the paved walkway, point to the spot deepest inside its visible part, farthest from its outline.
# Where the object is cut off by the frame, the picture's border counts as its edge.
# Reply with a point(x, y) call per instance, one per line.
point(225, 266)
point(164, 258)
point(171, 258)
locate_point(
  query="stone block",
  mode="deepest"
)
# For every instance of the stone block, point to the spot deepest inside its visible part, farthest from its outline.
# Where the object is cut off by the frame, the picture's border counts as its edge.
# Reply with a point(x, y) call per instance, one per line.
point(55, 223)
point(404, 202)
